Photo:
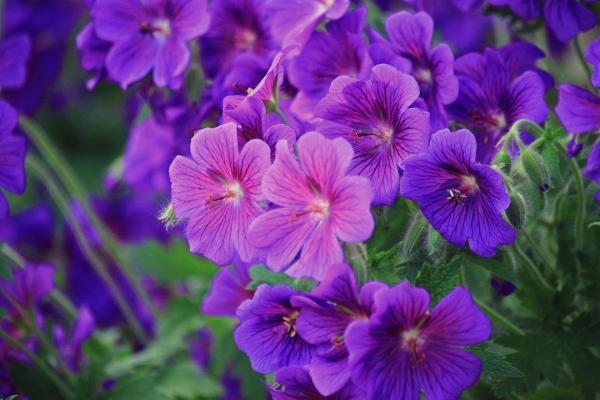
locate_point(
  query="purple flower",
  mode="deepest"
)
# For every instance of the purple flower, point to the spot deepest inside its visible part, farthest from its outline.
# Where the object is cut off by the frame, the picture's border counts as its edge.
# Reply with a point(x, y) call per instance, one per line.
point(293, 21)
point(201, 348)
point(592, 55)
point(520, 57)
point(71, 348)
point(490, 100)
point(325, 313)
point(404, 348)
point(410, 36)
point(93, 52)
point(318, 205)
point(267, 330)
point(218, 192)
point(149, 36)
point(461, 198)
point(503, 288)
point(374, 116)
point(294, 383)
point(13, 149)
point(31, 231)
point(254, 123)
point(228, 291)
point(577, 109)
point(592, 167)
point(14, 54)
point(341, 50)
point(236, 27)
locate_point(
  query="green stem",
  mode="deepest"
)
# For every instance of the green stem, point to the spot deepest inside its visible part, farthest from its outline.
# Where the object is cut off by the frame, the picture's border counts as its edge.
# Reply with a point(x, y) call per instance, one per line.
point(13, 255)
point(496, 317)
point(514, 132)
point(580, 215)
point(77, 191)
point(578, 49)
point(532, 269)
point(97, 264)
point(537, 249)
point(280, 113)
point(60, 385)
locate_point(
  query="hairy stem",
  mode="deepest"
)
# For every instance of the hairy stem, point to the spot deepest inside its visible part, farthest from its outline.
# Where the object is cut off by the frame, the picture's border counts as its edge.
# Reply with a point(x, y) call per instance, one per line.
point(497, 317)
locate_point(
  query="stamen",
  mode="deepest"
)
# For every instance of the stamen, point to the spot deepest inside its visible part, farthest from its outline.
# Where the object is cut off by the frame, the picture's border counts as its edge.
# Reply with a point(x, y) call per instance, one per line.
point(290, 323)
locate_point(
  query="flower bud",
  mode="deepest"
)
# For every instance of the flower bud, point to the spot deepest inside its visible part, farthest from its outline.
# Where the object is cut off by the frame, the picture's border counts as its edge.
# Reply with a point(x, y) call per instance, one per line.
point(535, 169)
point(503, 161)
point(517, 211)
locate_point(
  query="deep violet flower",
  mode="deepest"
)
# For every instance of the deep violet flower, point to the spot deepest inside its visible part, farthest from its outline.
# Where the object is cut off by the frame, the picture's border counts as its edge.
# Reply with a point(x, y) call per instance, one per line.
point(341, 50)
point(462, 199)
point(14, 54)
point(13, 149)
point(490, 100)
point(294, 383)
point(267, 330)
point(201, 348)
point(564, 18)
point(31, 231)
point(92, 52)
point(325, 313)
point(592, 167)
point(374, 116)
point(502, 287)
point(253, 122)
point(218, 192)
point(404, 348)
point(294, 20)
point(149, 36)
point(410, 37)
point(577, 109)
point(236, 27)
point(592, 55)
point(71, 347)
point(228, 291)
point(318, 205)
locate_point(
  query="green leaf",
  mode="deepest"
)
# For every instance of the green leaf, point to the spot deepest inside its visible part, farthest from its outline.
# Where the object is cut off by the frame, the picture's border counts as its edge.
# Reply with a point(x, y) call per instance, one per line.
point(596, 223)
point(260, 275)
point(136, 386)
point(496, 266)
point(439, 279)
point(495, 366)
point(172, 263)
point(185, 381)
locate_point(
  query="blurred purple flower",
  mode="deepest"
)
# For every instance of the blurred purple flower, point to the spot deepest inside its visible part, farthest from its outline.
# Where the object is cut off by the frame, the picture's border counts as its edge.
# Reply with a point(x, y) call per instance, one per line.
point(319, 204)
point(14, 54)
point(149, 36)
point(294, 383)
point(13, 149)
point(375, 116)
point(31, 231)
point(267, 330)
point(592, 167)
point(410, 38)
point(93, 52)
point(491, 100)
point(341, 50)
point(71, 348)
point(592, 55)
point(502, 287)
point(228, 291)
point(201, 348)
point(218, 192)
point(404, 348)
point(462, 199)
point(325, 313)
point(577, 109)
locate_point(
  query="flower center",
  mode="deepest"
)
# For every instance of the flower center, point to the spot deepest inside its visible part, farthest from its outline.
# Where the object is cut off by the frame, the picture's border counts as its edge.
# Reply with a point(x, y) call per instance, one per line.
point(468, 185)
point(234, 191)
point(319, 208)
point(423, 75)
point(245, 39)
point(412, 342)
point(160, 28)
point(498, 120)
point(290, 323)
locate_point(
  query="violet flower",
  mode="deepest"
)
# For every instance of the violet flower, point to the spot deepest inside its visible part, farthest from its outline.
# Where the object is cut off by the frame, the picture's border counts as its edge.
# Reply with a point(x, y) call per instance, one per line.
point(374, 116)
point(294, 383)
point(149, 36)
point(71, 348)
point(14, 54)
point(267, 330)
point(462, 199)
point(577, 109)
point(218, 192)
point(325, 313)
point(228, 291)
point(317, 205)
point(592, 55)
point(13, 149)
point(405, 349)
point(410, 38)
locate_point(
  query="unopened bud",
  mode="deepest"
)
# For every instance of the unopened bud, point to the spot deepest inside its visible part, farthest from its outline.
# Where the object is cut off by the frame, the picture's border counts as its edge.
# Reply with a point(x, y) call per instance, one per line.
point(503, 161)
point(517, 211)
point(535, 169)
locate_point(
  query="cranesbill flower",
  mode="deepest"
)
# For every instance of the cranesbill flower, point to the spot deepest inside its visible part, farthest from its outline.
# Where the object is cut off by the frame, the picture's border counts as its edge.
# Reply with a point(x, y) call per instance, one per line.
point(12, 156)
point(30, 231)
point(201, 348)
point(218, 192)
point(228, 291)
point(461, 198)
point(92, 52)
point(577, 109)
point(341, 50)
point(325, 313)
point(520, 57)
point(267, 330)
point(410, 37)
point(236, 27)
point(252, 122)
point(405, 349)
point(490, 101)
point(71, 347)
point(592, 167)
point(149, 36)
point(592, 55)
point(294, 383)
point(316, 205)
point(293, 21)
point(14, 54)
point(374, 116)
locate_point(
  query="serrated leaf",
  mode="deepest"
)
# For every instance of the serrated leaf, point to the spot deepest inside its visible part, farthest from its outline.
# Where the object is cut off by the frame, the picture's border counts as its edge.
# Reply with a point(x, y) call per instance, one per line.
point(184, 381)
point(260, 275)
point(439, 279)
point(495, 366)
